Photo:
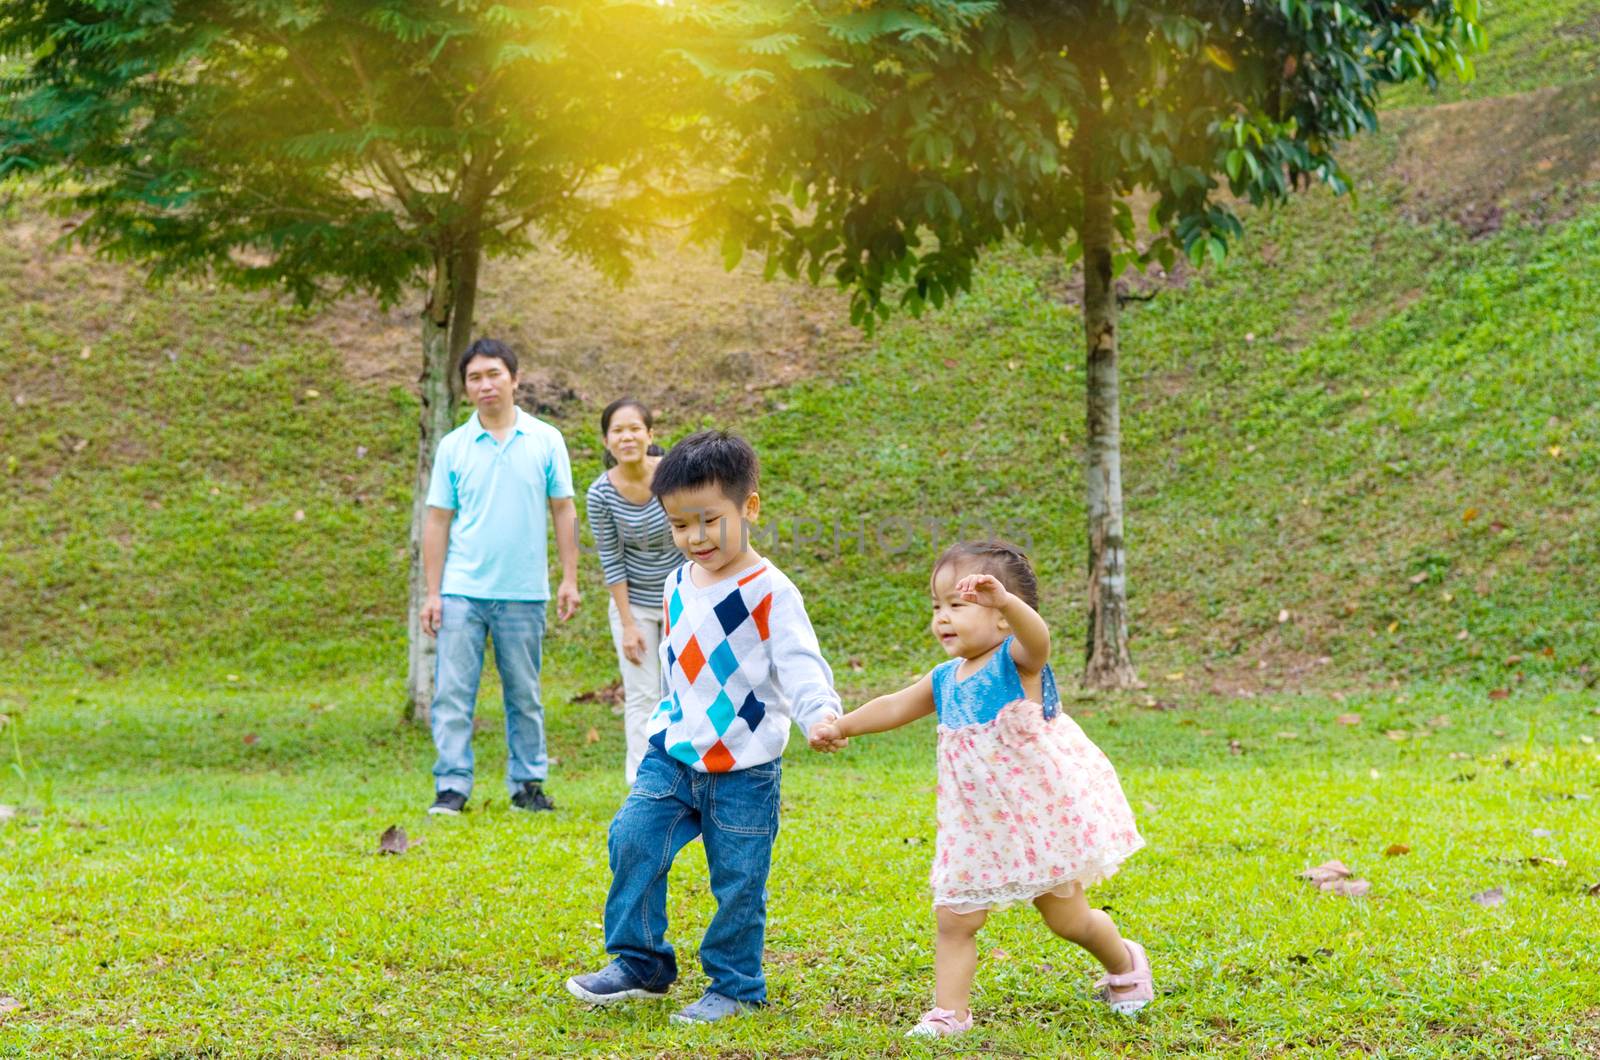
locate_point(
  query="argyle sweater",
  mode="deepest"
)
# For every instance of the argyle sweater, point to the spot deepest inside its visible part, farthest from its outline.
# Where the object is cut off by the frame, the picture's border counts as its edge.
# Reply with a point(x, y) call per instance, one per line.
point(739, 661)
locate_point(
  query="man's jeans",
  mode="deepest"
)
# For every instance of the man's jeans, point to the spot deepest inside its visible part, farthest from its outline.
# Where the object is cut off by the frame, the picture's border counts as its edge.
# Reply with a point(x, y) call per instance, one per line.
point(517, 627)
point(737, 815)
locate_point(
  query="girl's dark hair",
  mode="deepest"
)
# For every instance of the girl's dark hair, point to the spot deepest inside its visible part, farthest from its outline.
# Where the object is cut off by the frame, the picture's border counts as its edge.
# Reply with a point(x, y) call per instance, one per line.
point(719, 458)
point(488, 348)
point(644, 414)
point(999, 559)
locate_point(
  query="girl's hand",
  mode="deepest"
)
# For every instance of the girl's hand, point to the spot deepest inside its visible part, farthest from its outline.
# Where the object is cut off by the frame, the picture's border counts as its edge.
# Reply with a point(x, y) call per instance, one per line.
point(985, 590)
point(825, 736)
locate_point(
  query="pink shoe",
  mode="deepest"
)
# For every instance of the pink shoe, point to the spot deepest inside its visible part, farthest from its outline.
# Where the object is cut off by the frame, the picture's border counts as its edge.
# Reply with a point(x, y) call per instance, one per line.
point(1128, 992)
point(940, 1023)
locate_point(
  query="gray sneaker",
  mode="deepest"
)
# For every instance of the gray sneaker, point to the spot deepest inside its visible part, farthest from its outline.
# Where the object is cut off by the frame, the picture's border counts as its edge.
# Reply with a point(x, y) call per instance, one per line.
point(712, 1007)
point(610, 984)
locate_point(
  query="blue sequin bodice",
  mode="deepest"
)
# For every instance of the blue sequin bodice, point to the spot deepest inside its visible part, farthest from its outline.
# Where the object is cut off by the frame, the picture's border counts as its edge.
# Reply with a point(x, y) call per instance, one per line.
point(979, 697)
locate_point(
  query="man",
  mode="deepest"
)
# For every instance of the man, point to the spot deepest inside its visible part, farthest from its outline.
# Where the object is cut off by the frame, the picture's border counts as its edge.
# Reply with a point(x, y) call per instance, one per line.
point(483, 556)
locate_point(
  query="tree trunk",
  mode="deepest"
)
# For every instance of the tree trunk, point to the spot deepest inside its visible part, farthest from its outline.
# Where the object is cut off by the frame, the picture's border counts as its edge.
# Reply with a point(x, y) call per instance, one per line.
point(446, 330)
point(1107, 663)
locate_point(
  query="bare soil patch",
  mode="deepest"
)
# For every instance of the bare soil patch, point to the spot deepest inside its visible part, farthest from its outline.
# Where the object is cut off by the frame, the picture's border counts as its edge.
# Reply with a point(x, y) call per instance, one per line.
point(684, 335)
point(1535, 154)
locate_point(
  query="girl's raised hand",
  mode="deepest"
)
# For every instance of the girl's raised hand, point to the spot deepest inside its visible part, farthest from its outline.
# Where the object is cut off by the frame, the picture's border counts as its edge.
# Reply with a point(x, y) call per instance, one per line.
point(985, 590)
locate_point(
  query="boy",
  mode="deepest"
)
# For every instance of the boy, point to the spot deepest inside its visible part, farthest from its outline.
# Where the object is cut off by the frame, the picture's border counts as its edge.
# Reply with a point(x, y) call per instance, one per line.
point(739, 661)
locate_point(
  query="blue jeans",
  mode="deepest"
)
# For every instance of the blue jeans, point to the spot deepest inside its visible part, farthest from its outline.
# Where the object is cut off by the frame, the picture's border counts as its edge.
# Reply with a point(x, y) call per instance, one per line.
point(736, 814)
point(517, 627)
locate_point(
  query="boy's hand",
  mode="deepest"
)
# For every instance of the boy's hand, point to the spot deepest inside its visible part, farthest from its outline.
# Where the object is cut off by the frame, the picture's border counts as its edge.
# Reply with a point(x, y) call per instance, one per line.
point(825, 736)
point(985, 590)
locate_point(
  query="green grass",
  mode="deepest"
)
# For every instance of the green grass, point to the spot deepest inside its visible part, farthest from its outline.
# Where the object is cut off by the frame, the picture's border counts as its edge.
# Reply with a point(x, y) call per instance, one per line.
point(173, 890)
point(1532, 44)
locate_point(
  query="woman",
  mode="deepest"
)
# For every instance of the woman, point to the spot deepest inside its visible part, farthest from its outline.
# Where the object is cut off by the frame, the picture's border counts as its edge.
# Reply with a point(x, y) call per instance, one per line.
point(636, 555)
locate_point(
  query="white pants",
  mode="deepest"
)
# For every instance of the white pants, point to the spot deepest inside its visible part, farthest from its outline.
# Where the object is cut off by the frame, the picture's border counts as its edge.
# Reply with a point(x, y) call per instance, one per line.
point(641, 681)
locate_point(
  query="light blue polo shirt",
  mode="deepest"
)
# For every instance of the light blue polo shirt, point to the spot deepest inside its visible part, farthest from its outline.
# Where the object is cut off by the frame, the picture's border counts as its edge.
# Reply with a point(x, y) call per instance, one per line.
point(498, 491)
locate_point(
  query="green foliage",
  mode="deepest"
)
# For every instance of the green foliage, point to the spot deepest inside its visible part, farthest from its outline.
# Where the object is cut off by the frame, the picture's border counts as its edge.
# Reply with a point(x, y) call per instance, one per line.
point(327, 146)
point(986, 124)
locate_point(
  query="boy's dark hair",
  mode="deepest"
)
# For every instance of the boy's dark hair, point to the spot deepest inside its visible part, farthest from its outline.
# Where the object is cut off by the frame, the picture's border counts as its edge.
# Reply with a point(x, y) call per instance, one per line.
point(999, 559)
point(705, 458)
point(644, 414)
point(487, 348)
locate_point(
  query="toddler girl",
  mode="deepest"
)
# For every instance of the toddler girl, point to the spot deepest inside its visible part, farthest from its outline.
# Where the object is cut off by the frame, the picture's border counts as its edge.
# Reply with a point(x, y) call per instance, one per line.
point(1029, 809)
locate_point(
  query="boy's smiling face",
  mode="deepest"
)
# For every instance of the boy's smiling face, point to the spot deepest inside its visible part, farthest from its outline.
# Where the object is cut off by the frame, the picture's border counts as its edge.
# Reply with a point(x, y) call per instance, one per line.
point(710, 528)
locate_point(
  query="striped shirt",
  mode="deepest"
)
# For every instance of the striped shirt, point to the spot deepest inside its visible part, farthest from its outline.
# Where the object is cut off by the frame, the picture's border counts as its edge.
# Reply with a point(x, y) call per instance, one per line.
point(634, 542)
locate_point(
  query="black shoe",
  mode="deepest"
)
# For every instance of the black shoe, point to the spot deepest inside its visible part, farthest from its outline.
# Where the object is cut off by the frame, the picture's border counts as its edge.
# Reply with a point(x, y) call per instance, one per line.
point(532, 797)
point(449, 803)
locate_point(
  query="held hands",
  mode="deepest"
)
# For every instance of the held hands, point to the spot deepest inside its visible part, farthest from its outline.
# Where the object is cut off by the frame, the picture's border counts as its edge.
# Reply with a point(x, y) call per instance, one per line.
point(825, 736)
point(985, 590)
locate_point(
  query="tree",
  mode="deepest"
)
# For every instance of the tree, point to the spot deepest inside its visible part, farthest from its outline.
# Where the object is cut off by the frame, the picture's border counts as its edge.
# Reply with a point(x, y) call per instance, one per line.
point(327, 146)
point(1039, 123)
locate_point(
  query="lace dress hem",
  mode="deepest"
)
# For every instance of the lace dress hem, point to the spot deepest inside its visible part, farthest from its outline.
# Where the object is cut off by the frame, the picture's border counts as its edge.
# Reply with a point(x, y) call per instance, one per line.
point(972, 900)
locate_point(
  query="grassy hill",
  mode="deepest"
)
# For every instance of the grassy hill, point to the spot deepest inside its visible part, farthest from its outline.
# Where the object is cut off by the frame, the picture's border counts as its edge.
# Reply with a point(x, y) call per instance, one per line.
point(1378, 417)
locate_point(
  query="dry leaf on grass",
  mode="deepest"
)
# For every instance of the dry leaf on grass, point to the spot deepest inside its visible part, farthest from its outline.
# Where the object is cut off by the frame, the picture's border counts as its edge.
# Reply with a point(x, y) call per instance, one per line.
point(7, 812)
point(1499, 693)
point(610, 694)
point(1328, 870)
point(1557, 863)
point(1348, 719)
point(1396, 850)
point(592, 736)
point(250, 739)
point(1593, 890)
point(1333, 877)
point(1492, 897)
point(1349, 888)
point(9, 1004)
point(393, 840)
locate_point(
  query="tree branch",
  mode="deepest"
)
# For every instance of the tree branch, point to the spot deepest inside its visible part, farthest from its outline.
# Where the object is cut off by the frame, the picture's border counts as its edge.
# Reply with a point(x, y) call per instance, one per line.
point(391, 168)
